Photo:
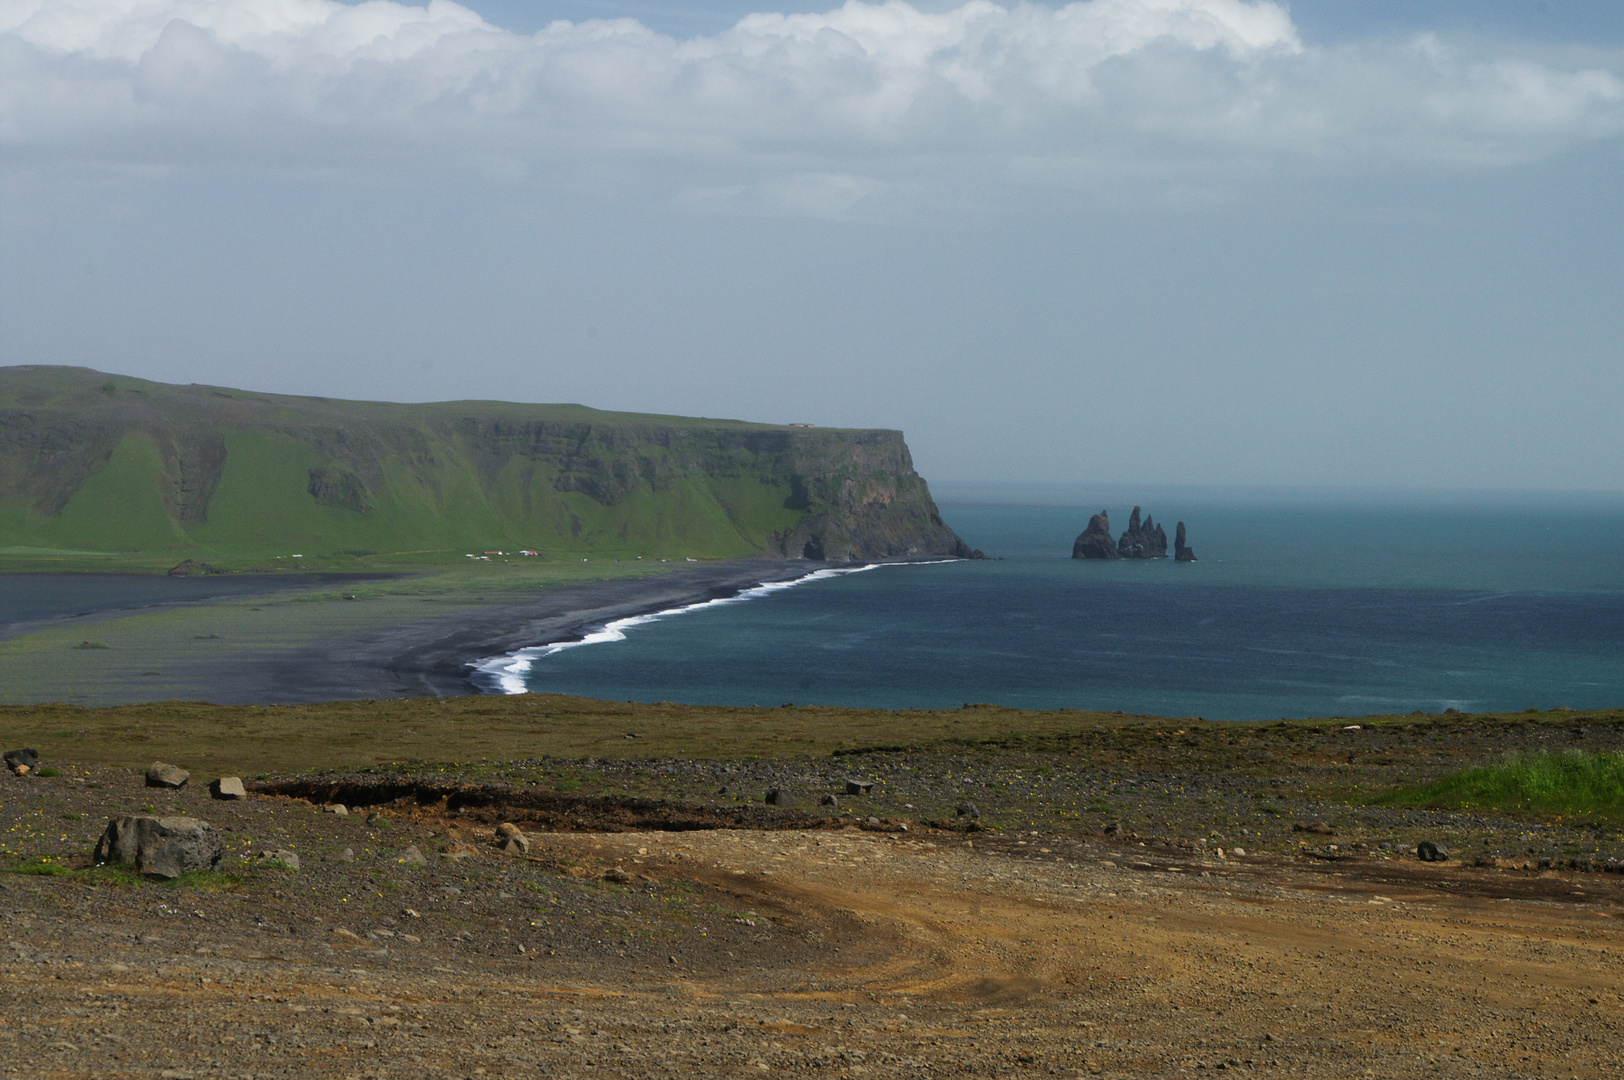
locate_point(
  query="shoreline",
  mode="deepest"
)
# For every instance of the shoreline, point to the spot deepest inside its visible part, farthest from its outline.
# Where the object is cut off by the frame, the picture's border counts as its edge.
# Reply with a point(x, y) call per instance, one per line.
point(505, 673)
point(296, 646)
point(440, 656)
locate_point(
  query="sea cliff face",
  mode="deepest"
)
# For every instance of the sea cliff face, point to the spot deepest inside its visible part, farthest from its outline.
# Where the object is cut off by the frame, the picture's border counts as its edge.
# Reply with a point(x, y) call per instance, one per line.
point(108, 463)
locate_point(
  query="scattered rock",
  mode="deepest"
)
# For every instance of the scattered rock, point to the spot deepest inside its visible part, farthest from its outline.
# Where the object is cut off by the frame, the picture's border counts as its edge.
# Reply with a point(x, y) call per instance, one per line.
point(1095, 541)
point(965, 809)
point(1182, 552)
point(616, 875)
point(412, 857)
point(780, 797)
point(164, 847)
point(337, 808)
point(227, 787)
point(347, 855)
point(162, 775)
point(829, 800)
point(859, 787)
point(1319, 828)
point(1427, 851)
point(191, 568)
point(1146, 541)
point(22, 762)
point(280, 857)
point(511, 839)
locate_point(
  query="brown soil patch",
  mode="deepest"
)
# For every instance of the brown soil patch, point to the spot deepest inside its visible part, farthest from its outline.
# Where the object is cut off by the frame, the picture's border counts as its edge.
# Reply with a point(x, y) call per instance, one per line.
point(788, 951)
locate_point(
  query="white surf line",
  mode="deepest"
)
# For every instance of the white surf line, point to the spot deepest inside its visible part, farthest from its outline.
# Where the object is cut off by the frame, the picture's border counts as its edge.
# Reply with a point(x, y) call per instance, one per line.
point(507, 672)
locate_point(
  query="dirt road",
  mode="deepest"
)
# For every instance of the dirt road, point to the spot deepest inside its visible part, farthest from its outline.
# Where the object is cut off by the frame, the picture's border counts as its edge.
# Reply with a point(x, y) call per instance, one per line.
point(824, 953)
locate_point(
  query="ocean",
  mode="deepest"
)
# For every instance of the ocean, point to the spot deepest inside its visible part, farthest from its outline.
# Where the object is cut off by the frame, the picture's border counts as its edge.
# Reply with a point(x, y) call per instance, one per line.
point(1301, 604)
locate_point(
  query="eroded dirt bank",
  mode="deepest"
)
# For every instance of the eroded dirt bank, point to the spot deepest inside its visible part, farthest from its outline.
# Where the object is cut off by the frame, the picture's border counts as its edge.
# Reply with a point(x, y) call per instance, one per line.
point(751, 952)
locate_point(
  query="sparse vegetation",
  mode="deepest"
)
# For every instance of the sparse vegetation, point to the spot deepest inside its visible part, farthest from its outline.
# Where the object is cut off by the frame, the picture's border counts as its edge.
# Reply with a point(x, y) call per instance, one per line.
point(1572, 783)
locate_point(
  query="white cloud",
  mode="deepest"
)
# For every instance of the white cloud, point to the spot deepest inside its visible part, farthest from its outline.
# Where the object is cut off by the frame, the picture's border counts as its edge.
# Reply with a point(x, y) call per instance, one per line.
point(806, 113)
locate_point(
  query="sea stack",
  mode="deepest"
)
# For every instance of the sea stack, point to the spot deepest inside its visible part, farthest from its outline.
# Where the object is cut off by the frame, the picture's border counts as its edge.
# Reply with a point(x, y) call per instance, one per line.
point(1146, 541)
point(1182, 552)
point(1095, 541)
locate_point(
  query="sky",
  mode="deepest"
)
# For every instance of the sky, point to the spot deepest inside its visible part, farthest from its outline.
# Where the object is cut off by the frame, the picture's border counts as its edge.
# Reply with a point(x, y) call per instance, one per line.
point(1372, 244)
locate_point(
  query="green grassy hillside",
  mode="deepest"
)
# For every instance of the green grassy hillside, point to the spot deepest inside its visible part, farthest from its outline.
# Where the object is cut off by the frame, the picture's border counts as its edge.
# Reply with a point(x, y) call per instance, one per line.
point(96, 463)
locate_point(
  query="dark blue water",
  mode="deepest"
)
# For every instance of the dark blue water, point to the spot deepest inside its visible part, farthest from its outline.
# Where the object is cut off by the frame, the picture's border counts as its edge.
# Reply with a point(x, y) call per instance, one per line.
point(1331, 609)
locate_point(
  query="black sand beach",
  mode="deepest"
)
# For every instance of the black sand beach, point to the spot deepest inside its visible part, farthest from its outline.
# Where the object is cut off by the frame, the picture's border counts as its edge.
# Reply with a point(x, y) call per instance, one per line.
point(431, 658)
point(303, 645)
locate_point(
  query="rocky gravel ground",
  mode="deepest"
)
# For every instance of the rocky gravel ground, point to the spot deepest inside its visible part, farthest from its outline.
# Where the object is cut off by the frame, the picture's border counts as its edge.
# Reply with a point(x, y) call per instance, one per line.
point(979, 911)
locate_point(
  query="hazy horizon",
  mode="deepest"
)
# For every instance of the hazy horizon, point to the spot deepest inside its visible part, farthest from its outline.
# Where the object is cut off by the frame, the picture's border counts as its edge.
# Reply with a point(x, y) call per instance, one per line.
point(1311, 247)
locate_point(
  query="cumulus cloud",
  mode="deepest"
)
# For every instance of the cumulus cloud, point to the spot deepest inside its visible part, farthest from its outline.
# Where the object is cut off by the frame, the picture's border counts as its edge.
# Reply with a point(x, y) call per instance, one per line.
point(808, 110)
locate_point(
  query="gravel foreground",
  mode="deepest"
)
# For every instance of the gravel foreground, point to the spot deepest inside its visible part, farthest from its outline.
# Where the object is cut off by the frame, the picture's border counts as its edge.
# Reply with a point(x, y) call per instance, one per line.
point(737, 939)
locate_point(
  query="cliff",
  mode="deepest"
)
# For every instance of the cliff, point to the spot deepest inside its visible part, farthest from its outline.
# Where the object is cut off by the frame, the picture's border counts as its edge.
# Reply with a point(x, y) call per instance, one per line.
point(98, 462)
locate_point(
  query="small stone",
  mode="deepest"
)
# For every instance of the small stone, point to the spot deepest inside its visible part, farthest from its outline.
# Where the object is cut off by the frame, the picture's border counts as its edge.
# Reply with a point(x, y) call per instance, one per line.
point(616, 875)
point(281, 857)
point(1317, 827)
point(858, 787)
point(780, 797)
point(829, 800)
point(22, 762)
point(511, 839)
point(968, 810)
point(1238, 851)
point(162, 775)
point(412, 857)
point(1427, 851)
point(337, 808)
point(347, 855)
point(227, 787)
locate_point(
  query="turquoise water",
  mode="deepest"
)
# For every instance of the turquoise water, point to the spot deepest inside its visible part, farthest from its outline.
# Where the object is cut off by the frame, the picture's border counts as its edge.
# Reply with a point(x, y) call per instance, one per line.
point(1344, 607)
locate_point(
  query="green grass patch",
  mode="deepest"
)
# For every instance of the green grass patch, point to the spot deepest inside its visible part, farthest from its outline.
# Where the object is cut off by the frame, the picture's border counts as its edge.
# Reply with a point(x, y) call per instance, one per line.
point(1540, 785)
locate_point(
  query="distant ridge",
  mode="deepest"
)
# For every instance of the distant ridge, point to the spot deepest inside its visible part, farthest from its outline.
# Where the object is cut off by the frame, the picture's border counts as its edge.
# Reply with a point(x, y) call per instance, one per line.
point(97, 462)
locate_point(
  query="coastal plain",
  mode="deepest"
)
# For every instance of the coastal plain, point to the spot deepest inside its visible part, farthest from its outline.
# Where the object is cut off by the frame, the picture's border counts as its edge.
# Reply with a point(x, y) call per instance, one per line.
point(1006, 893)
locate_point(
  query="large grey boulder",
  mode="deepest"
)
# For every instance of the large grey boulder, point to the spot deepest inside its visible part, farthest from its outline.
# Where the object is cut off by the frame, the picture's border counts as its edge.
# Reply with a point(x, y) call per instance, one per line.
point(160, 774)
point(163, 847)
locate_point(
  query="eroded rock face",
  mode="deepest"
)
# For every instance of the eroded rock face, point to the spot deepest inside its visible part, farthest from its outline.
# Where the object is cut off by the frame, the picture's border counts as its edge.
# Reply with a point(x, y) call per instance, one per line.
point(1142, 541)
point(161, 847)
point(1095, 541)
point(1182, 552)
